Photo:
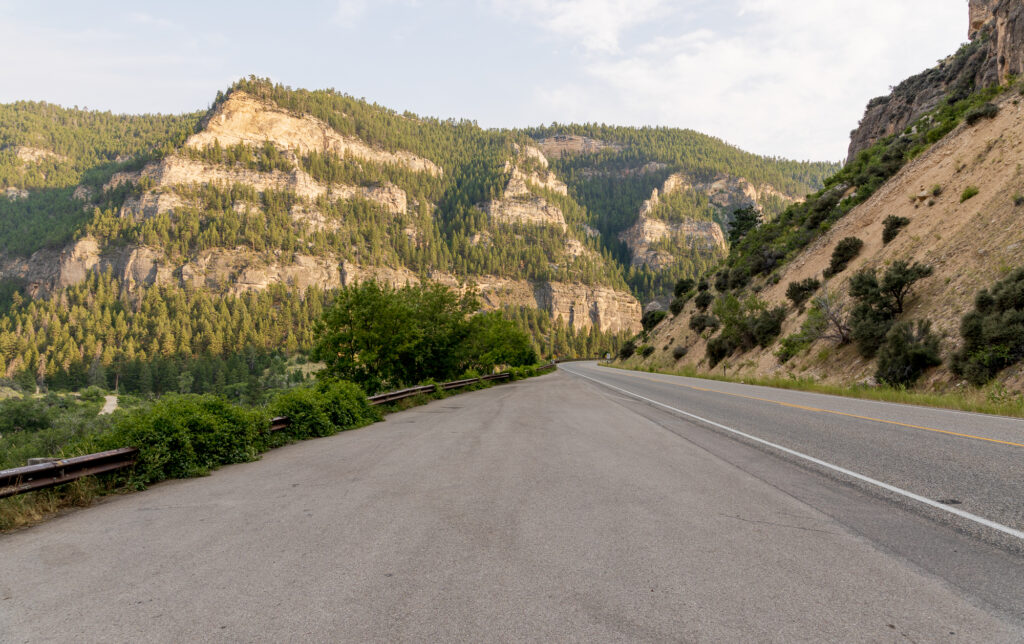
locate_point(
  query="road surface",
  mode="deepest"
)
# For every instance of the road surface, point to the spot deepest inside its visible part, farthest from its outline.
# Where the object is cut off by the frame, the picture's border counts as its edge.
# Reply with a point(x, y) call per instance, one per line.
point(553, 509)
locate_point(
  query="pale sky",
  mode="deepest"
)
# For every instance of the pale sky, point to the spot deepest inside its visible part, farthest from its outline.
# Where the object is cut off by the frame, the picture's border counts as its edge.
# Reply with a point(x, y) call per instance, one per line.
point(776, 77)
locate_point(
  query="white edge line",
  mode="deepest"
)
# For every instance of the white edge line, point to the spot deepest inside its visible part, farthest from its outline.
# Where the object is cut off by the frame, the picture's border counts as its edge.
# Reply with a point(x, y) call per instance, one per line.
point(817, 461)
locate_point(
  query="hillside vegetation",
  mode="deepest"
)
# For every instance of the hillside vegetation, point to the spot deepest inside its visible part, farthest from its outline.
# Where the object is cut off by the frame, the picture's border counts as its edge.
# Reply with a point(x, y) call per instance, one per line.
point(244, 220)
point(875, 272)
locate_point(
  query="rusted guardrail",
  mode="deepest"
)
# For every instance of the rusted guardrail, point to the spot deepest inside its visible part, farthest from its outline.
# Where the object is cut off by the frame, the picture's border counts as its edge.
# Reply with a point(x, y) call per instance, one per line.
point(37, 477)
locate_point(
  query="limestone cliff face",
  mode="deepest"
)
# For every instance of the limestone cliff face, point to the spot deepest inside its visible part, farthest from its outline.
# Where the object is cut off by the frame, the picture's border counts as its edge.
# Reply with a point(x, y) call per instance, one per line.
point(642, 236)
point(562, 145)
point(28, 154)
point(726, 193)
point(518, 204)
point(996, 28)
point(245, 119)
point(183, 171)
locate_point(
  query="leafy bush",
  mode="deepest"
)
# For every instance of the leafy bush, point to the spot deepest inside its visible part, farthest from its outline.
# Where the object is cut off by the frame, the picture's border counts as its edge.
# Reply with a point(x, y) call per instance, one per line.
point(346, 404)
point(986, 111)
point(677, 305)
point(703, 285)
point(719, 348)
point(24, 415)
point(892, 227)
point(683, 286)
point(91, 394)
point(993, 332)
point(1018, 199)
point(937, 190)
point(701, 322)
point(180, 436)
point(909, 350)
point(798, 292)
point(879, 303)
point(651, 319)
point(814, 327)
point(646, 351)
point(722, 281)
point(844, 252)
point(307, 410)
point(679, 352)
point(969, 192)
point(745, 325)
point(703, 300)
point(627, 349)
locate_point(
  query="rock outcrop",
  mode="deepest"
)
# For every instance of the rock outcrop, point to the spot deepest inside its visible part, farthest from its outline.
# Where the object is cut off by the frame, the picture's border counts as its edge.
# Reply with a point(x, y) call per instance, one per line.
point(243, 118)
point(648, 238)
point(28, 154)
point(644, 237)
point(996, 29)
point(562, 145)
point(518, 204)
point(183, 171)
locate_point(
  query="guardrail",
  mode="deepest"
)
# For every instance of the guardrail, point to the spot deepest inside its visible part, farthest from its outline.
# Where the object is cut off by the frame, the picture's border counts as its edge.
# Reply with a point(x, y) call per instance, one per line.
point(37, 477)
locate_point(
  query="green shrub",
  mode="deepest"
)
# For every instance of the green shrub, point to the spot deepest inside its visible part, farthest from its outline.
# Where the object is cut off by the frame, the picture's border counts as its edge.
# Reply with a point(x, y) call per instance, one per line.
point(719, 348)
point(307, 410)
point(701, 322)
point(986, 111)
point(703, 300)
point(936, 190)
point(646, 351)
point(909, 350)
point(679, 352)
point(651, 319)
point(792, 346)
point(24, 415)
point(181, 436)
point(1018, 199)
point(892, 227)
point(969, 192)
point(346, 405)
point(722, 281)
point(798, 292)
point(993, 332)
point(627, 349)
point(844, 252)
point(678, 304)
point(683, 286)
point(745, 325)
point(91, 394)
point(879, 303)
point(703, 285)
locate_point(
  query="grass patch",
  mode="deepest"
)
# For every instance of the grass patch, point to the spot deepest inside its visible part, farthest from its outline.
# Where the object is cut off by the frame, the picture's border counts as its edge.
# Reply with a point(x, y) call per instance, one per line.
point(994, 400)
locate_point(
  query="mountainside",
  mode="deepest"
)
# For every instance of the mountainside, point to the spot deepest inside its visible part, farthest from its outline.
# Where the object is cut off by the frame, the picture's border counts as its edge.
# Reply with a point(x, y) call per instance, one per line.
point(932, 216)
point(316, 190)
point(995, 53)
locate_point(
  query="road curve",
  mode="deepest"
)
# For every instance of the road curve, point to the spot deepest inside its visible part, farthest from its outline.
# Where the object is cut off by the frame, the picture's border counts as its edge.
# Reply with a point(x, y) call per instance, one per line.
point(551, 509)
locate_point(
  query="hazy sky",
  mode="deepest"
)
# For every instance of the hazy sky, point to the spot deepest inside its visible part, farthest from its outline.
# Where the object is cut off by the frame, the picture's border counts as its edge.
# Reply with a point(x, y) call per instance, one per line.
point(779, 77)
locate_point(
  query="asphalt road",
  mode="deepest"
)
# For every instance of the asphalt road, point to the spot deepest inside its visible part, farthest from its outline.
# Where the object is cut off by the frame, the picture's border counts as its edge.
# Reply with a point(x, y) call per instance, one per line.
point(552, 509)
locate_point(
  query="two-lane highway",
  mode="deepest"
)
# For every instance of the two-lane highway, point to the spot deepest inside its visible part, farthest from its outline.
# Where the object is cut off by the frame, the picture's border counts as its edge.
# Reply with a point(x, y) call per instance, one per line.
point(966, 467)
point(552, 509)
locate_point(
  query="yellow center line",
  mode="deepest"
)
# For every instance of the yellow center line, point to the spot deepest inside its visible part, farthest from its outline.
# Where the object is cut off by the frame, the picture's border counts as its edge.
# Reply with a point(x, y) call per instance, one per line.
point(830, 411)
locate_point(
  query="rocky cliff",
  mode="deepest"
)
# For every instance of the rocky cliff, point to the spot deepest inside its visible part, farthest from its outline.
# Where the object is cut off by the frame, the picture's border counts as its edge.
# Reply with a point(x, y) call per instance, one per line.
point(248, 120)
point(520, 205)
point(996, 51)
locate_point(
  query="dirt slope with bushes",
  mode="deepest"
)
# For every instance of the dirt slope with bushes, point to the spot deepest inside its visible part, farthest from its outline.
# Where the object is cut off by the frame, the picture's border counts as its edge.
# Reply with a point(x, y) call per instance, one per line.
point(970, 244)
